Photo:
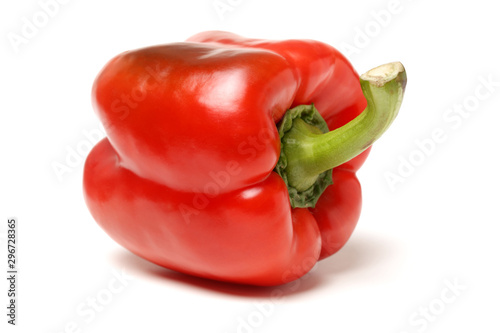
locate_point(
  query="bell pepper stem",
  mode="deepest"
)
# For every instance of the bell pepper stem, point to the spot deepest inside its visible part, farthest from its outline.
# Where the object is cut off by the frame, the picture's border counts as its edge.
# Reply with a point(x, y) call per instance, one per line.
point(309, 152)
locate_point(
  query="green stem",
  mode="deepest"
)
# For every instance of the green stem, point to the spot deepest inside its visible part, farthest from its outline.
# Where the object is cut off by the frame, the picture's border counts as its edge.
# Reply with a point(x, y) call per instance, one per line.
point(309, 152)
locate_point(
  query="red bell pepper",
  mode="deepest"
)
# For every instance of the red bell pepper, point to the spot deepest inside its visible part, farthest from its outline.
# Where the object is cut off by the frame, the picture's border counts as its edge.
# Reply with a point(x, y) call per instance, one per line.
point(204, 171)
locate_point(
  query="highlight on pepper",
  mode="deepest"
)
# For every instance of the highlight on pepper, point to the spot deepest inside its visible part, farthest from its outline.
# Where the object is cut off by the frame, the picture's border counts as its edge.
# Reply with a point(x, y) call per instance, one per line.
point(235, 159)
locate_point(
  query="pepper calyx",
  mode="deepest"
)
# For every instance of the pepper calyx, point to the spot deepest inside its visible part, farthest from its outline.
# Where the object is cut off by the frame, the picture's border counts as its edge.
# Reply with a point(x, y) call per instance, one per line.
point(310, 116)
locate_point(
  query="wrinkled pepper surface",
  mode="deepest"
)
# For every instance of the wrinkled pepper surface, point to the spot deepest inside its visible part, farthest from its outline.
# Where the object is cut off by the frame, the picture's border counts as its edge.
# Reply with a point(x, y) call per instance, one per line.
point(234, 159)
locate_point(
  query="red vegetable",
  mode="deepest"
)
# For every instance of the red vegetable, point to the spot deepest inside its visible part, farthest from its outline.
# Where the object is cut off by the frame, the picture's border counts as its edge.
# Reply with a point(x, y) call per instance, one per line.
point(185, 177)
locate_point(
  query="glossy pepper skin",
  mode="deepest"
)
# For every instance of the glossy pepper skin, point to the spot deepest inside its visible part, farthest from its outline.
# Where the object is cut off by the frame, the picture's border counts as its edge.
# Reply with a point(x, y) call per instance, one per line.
point(185, 176)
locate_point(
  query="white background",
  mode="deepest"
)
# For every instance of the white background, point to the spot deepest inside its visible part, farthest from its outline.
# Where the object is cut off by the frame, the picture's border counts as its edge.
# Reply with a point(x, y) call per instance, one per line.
point(437, 226)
